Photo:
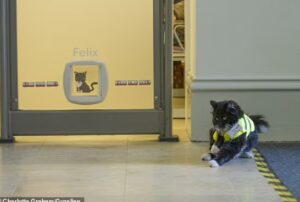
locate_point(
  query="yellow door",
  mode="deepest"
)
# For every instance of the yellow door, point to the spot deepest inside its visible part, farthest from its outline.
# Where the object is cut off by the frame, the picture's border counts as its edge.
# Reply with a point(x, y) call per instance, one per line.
point(117, 33)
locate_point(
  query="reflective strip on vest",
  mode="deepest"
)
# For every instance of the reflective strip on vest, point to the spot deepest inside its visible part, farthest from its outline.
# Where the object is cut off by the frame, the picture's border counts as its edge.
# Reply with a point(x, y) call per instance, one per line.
point(246, 124)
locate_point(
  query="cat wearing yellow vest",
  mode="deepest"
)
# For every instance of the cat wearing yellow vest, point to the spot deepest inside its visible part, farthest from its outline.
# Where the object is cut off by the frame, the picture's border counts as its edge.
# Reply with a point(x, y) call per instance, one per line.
point(234, 134)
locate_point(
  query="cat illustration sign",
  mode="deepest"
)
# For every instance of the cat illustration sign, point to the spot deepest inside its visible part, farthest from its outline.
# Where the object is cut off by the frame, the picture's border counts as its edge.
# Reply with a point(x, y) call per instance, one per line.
point(82, 86)
point(85, 82)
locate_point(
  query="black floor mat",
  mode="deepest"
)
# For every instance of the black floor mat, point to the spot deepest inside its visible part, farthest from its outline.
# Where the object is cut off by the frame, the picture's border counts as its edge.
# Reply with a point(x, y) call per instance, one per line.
point(284, 160)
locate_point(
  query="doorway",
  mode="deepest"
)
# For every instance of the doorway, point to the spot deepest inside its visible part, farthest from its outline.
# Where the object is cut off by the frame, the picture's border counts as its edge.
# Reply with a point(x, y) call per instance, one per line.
point(82, 73)
point(178, 60)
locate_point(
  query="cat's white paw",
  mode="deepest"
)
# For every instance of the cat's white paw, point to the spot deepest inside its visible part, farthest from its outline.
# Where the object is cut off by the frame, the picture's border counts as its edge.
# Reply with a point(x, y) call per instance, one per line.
point(206, 157)
point(214, 149)
point(213, 164)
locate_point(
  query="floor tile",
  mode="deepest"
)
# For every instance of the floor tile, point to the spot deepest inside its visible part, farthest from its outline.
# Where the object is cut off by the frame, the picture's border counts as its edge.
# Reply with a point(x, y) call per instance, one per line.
point(126, 168)
point(181, 198)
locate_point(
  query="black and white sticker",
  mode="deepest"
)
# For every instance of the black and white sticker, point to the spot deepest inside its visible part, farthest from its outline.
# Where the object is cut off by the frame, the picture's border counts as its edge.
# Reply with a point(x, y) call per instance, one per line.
point(38, 84)
point(132, 82)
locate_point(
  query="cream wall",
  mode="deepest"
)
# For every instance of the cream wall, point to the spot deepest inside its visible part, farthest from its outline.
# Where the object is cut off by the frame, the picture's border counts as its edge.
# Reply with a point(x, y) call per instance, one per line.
point(247, 51)
point(117, 33)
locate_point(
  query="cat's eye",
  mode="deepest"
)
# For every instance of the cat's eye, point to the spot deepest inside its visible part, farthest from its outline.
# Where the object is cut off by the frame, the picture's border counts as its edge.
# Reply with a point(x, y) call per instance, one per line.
point(224, 118)
point(217, 119)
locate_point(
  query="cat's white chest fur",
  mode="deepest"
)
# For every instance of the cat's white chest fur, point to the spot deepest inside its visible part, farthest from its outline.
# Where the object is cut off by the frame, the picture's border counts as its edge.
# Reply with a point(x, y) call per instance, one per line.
point(78, 84)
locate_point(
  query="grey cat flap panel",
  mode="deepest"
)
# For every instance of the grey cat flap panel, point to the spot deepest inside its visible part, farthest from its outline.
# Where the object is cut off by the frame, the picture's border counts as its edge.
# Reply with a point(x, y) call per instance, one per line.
point(85, 82)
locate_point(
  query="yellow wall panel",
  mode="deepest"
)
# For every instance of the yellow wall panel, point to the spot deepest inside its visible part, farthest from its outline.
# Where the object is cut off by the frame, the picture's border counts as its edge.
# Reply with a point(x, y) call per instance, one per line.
point(118, 33)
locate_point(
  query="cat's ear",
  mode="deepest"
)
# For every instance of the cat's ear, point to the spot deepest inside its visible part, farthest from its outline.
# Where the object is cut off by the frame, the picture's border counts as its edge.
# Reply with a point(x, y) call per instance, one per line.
point(232, 108)
point(75, 72)
point(85, 72)
point(214, 104)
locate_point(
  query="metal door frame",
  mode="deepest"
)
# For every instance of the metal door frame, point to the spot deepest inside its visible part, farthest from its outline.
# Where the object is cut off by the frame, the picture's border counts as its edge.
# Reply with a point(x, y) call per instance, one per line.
point(16, 122)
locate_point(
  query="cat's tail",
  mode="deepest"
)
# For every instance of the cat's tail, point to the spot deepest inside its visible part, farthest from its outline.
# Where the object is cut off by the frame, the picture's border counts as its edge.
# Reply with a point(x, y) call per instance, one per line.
point(92, 86)
point(260, 123)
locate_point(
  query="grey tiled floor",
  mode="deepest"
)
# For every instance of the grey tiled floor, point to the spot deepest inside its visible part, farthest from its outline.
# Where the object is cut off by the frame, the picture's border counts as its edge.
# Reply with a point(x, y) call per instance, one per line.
point(126, 168)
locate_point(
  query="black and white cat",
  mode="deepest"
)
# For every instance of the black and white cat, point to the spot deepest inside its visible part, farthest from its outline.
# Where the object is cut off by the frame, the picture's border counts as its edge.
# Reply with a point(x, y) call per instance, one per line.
point(234, 134)
point(82, 86)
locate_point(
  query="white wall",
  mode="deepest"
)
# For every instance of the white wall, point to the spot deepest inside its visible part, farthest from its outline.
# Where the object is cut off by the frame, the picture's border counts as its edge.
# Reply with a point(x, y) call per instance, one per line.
point(248, 38)
point(247, 50)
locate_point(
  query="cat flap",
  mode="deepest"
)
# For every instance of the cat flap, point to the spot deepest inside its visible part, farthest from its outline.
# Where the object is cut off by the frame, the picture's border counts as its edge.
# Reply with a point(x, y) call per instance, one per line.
point(85, 82)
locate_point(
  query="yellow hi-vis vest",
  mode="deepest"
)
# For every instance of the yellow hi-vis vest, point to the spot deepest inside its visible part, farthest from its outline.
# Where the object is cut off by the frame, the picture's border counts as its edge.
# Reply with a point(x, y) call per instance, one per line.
point(244, 125)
